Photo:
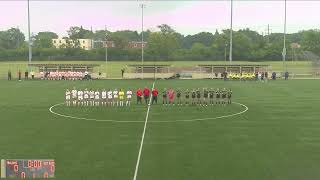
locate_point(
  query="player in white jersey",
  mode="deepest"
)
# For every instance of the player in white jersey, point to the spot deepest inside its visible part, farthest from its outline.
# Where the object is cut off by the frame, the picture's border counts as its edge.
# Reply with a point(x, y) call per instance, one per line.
point(115, 97)
point(129, 96)
point(91, 95)
point(80, 98)
point(97, 98)
point(68, 97)
point(104, 97)
point(86, 97)
point(74, 94)
point(110, 99)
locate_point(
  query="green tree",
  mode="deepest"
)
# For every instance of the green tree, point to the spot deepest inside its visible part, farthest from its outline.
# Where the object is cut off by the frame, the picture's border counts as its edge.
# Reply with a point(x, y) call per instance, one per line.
point(44, 39)
point(11, 39)
point(311, 40)
point(166, 29)
point(76, 32)
point(204, 38)
point(162, 44)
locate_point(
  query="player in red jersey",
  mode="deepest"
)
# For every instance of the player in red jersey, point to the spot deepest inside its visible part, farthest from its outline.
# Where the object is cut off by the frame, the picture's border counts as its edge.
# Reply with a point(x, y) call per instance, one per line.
point(171, 96)
point(154, 96)
point(139, 96)
point(146, 94)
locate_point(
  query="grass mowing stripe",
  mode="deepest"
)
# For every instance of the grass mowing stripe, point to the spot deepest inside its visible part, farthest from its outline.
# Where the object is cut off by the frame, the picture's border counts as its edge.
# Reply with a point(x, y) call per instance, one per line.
point(142, 138)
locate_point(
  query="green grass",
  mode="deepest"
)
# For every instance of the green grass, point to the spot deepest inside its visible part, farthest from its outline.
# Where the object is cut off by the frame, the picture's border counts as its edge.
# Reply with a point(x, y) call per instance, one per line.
point(278, 138)
point(114, 67)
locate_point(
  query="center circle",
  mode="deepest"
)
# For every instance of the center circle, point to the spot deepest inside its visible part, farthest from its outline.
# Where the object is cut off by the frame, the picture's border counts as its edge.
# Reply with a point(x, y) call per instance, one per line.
point(162, 114)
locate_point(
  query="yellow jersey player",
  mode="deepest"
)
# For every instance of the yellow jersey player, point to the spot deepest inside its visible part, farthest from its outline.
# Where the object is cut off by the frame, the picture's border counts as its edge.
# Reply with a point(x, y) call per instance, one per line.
point(121, 97)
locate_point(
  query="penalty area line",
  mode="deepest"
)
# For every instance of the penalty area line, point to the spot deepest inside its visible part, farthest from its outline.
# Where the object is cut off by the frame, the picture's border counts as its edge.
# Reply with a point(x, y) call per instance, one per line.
point(142, 138)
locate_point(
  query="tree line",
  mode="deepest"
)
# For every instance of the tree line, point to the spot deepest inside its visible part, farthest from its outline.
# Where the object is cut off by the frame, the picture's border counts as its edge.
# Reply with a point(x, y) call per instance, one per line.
point(163, 44)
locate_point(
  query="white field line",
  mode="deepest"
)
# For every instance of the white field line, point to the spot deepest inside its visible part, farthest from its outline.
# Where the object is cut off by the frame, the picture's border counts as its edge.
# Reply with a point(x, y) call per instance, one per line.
point(142, 138)
point(161, 121)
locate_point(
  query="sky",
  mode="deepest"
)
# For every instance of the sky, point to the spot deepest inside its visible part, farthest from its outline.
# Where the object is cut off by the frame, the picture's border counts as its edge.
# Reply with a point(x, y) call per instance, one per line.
point(186, 17)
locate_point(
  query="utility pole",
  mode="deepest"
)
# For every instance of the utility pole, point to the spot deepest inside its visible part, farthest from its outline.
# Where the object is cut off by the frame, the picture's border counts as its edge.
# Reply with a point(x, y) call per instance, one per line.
point(106, 44)
point(142, 48)
point(29, 36)
point(230, 53)
point(284, 36)
point(91, 38)
point(268, 31)
point(18, 42)
point(225, 52)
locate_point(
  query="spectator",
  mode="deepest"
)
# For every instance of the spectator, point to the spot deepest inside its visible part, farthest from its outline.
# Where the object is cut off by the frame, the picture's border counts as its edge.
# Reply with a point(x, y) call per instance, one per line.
point(19, 75)
point(266, 76)
point(225, 75)
point(9, 75)
point(26, 74)
point(122, 72)
point(286, 75)
point(274, 76)
point(32, 74)
point(259, 76)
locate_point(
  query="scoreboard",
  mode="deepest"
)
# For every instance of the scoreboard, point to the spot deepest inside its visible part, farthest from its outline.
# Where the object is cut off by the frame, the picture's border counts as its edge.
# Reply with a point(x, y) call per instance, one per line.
point(27, 168)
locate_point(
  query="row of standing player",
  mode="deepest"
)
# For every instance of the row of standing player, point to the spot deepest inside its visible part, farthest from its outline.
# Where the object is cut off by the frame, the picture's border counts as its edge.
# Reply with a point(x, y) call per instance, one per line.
point(115, 97)
point(96, 98)
point(197, 97)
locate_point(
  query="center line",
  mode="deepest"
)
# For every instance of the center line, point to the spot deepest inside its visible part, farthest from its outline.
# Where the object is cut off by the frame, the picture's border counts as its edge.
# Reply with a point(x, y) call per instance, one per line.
point(142, 138)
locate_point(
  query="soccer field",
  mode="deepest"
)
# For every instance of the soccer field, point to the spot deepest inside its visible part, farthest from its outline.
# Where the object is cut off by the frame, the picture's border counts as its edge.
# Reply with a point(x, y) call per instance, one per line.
point(272, 131)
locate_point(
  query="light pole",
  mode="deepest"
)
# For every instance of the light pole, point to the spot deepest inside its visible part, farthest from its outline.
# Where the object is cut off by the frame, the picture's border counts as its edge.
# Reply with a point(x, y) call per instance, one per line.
point(225, 52)
point(231, 19)
point(106, 39)
point(142, 48)
point(284, 51)
point(29, 36)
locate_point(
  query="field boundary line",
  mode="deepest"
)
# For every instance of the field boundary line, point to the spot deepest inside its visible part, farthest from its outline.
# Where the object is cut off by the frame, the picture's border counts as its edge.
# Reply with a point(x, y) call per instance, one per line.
point(142, 138)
